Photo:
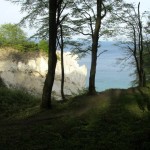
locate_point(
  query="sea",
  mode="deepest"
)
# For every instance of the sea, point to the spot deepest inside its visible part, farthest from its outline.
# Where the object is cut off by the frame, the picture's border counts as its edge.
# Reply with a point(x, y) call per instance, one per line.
point(112, 70)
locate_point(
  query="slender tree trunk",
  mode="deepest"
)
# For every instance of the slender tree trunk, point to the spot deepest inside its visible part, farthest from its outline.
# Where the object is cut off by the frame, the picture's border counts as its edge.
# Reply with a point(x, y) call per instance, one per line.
point(95, 39)
point(92, 89)
point(62, 64)
point(52, 58)
point(136, 55)
point(141, 49)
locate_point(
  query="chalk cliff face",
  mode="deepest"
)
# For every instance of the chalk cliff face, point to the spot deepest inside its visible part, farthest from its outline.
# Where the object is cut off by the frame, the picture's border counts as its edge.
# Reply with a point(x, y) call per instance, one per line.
point(27, 71)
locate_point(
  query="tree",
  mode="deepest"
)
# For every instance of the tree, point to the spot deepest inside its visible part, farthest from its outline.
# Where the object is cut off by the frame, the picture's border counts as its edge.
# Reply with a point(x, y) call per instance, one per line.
point(147, 49)
point(47, 17)
point(88, 16)
point(42, 14)
point(52, 58)
point(60, 39)
point(147, 33)
point(11, 35)
point(130, 18)
point(95, 38)
point(37, 16)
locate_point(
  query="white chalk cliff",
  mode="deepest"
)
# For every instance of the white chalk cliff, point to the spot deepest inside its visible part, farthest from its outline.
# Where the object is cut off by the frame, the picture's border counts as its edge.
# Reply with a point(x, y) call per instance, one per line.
point(27, 71)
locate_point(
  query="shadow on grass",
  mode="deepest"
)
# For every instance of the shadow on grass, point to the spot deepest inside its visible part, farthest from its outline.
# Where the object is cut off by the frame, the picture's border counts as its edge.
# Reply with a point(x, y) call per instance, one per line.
point(110, 121)
point(121, 126)
point(143, 100)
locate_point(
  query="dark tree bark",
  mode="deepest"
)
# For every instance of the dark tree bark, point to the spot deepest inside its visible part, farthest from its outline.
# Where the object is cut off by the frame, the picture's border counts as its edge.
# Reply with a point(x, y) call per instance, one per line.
point(52, 57)
point(137, 59)
point(95, 38)
point(60, 41)
point(92, 89)
point(62, 64)
point(142, 78)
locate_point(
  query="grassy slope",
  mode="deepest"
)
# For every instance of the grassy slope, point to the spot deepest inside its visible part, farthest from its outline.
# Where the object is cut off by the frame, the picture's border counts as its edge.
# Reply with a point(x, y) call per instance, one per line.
point(112, 120)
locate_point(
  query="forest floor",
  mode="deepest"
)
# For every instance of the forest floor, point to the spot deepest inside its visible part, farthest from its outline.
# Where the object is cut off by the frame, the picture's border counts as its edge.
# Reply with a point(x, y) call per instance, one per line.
point(115, 119)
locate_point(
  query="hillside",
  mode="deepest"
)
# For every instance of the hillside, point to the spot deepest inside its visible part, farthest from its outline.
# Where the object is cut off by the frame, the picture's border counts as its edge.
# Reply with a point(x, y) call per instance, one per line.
point(112, 120)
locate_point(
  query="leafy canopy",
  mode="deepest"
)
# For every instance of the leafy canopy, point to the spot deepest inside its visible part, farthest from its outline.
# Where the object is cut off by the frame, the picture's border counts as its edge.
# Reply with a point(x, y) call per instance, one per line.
point(11, 34)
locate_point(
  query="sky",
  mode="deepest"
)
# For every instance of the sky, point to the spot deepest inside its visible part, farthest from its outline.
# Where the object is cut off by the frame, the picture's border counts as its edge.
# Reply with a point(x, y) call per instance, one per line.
point(10, 13)
point(145, 4)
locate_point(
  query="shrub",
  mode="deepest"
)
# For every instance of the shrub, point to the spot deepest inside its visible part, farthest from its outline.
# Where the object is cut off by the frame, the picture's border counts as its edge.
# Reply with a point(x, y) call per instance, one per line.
point(15, 101)
point(11, 34)
point(43, 46)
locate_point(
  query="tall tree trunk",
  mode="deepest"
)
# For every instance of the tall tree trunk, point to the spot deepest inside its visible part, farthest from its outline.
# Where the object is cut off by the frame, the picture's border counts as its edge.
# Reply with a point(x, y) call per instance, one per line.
point(92, 89)
point(141, 49)
point(135, 54)
point(95, 39)
point(62, 64)
point(52, 58)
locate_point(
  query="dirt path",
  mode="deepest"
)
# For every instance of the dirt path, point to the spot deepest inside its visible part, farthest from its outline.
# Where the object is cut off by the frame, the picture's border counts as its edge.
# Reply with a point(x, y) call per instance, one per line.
point(78, 107)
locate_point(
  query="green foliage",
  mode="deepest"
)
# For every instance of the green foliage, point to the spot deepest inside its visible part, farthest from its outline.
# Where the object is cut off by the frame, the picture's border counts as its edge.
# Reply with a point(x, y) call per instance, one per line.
point(43, 46)
point(15, 101)
point(11, 34)
point(29, 46)
point(37, 15)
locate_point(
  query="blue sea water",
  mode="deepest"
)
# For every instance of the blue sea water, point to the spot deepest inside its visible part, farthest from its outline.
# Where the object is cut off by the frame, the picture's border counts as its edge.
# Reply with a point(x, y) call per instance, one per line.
point(110, 73)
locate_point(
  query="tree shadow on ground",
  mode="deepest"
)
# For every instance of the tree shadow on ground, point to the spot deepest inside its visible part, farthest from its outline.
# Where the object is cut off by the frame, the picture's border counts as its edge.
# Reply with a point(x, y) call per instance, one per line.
point(143, 100)
point(121, 126)
point(114, 122)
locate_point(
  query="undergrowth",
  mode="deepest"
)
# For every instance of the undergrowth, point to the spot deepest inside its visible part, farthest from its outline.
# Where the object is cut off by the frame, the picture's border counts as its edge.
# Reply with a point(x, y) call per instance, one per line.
point(112, 120)
point(15, 101)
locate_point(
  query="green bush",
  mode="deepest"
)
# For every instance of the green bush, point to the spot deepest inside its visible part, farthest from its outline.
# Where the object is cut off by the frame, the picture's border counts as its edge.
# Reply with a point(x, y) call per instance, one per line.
point(11, 34)
point(27, 46)
point(43, 46)
point(15, 101)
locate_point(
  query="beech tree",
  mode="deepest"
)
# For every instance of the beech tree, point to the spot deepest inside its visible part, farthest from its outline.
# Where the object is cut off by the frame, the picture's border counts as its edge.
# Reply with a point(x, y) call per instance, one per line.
point(87, 21)
point(147, 35)
point(147, 49)
point(52, 57)
point(43, 15)
point(95, 37)
point(60, 39)
point(132, 27)
point(47, 17)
